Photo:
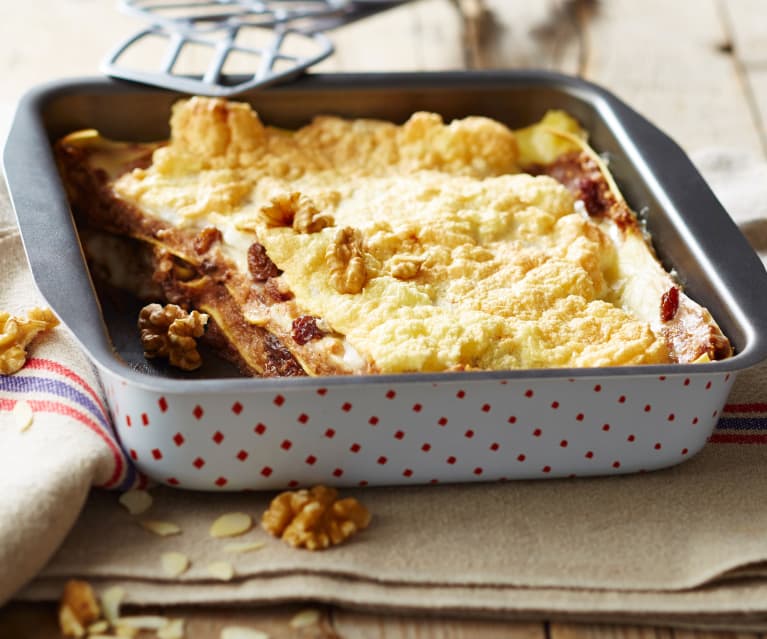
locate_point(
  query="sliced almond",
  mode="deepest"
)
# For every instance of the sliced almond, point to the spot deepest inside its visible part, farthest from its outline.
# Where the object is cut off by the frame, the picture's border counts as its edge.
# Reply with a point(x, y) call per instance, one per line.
point(231, 525)
point(174, 563)
point(126, 631)
point(142, 622)
point(222, 570)
point(136, 501)
point(111, 599)
point(161, 528)
point(68, 623)
point(23, 415)
point(245, 547)
point(97, 628)
point(305, 618)
point(174, 629)
point(240, 632)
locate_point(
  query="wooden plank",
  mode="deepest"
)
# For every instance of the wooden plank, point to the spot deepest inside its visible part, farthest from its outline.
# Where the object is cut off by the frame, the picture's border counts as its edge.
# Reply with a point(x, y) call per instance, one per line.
point(360, 625)
point(540, 35)
point(748, 19)
point(671, 69)
point(757, 79)
point(703, 634)
point(597, 631)
point(746, 24)
point(418, 36)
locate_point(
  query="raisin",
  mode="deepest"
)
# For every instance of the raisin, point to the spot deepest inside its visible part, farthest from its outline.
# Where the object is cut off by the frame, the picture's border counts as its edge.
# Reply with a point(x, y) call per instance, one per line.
point(260, 264)
point(669, 304)
point(591, 194)
point(279, 361)
point(205, 239)
point(305, 329)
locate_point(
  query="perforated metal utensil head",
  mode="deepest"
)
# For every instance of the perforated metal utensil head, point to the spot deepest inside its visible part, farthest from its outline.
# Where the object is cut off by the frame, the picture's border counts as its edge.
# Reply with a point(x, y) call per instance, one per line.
point(236, 45)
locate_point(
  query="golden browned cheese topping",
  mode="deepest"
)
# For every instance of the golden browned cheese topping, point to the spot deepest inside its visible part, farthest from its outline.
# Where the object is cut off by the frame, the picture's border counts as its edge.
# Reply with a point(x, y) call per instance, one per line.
point(434, 252)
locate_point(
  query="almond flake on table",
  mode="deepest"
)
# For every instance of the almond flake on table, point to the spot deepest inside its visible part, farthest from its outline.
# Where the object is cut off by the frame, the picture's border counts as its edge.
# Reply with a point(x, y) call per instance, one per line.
point(68, 623)
point(136, 501)
point(98, 627)
point(111, 599)
point(23, 415)
point(222, 570)
point(231, 525)
point(142, 622)
point(174, 629)
point(240, 632)
point(161, 528)
point(174, 563)
point(245, 547)
point(305, 618)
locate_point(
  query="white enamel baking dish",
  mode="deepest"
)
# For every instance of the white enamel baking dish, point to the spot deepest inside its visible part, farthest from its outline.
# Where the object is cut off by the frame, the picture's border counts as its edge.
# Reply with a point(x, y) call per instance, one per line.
point(213, 430)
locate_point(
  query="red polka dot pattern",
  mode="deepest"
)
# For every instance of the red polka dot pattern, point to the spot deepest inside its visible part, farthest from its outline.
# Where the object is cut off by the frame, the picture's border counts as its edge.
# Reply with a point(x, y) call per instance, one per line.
point(416, 432)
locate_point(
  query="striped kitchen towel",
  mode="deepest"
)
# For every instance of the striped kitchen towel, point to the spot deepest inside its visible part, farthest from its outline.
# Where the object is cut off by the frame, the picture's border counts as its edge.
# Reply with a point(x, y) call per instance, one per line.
point(47, 469)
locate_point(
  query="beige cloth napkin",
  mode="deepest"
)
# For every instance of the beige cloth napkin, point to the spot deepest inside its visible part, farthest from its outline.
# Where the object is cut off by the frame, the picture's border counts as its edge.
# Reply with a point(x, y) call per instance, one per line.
point(687, 545)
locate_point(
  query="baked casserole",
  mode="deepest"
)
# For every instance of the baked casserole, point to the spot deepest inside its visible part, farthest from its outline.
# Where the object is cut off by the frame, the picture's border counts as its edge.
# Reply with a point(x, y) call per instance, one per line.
point(362, 246)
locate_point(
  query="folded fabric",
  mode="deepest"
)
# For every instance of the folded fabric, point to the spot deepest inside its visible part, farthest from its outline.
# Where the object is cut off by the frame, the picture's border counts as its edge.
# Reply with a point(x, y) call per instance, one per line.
point(684, 545)
point(48, 468)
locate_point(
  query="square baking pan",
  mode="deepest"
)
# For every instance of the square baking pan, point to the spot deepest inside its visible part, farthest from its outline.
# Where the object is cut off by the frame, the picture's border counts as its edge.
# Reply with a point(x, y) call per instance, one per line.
point(214, 430)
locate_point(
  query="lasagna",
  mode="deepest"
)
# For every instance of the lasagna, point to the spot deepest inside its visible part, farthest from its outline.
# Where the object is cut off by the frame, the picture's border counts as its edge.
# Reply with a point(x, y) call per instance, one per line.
point(358, 246)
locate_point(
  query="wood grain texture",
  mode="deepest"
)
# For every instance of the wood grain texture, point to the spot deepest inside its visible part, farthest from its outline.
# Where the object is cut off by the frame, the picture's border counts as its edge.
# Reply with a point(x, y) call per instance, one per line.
point(665, 59)
point(417, 36)
point(702, 634)
point(749, 23)
point(746, 24)
point(540, 35)
point(375, 626)
point(595, 631)
point(758, 81)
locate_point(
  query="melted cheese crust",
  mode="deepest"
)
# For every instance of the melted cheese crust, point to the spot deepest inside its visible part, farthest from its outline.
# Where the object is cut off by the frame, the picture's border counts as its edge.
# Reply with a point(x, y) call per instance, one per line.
point(511, 273)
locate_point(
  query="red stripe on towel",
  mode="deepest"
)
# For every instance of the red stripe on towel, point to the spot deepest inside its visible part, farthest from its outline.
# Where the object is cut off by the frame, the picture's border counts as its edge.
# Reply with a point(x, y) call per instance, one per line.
point(756, 407)
point(36, 363)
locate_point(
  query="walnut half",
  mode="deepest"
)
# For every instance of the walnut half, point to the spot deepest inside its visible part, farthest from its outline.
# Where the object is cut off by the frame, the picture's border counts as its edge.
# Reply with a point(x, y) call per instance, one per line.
point(16, 333)
point(296, 210)
point(346, 261)
point(314, 519)
point(169, 331)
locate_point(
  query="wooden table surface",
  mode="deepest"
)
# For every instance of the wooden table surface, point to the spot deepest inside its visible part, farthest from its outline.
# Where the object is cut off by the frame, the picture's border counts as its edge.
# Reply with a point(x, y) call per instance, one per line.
point(697, 68)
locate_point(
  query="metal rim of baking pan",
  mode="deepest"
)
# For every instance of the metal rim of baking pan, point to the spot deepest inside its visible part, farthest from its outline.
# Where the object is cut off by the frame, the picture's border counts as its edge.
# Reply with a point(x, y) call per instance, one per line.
point(58, 266)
